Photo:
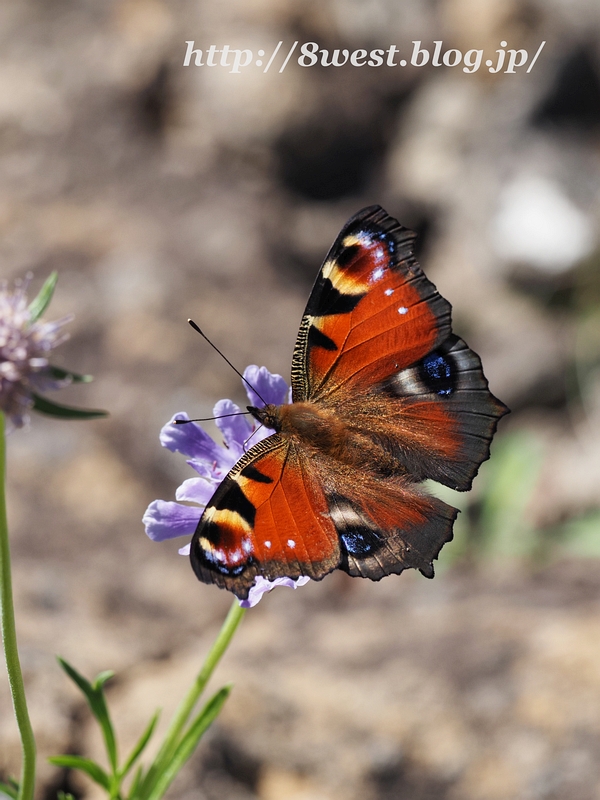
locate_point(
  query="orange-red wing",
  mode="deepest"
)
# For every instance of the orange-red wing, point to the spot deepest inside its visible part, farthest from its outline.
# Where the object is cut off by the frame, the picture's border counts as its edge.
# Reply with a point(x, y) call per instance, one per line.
point(386, 526)
point(371, 312)
point(268, 517)
point(375, 347)
point(435, 419)
point(283, 511)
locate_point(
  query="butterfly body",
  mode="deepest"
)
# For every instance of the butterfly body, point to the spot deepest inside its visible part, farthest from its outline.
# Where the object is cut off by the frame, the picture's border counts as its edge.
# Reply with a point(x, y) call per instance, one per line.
point(314, 427)
point(384, 396)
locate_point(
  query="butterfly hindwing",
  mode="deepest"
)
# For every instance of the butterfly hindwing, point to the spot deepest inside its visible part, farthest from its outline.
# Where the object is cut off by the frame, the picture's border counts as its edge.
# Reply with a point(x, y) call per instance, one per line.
point(280, 513)
point(441, 415)
point(386, 525)
point(433, 420)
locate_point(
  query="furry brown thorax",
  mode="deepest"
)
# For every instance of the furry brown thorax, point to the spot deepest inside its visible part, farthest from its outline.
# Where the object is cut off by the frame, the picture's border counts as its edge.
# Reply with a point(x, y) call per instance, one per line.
point(320, 428)
point(307, 422)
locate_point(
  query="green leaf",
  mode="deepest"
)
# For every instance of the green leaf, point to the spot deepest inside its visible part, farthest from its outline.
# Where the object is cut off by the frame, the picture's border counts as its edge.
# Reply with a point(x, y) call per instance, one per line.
point(45, 406)
point(139, 748)
point(10, 789)
point(64, 795)
point(189, 742)
point(59, 374)
point(102, 678)
point(40, 303)
point(97, 703)
point(85, 686)
point(86, 765)
point(135, 783)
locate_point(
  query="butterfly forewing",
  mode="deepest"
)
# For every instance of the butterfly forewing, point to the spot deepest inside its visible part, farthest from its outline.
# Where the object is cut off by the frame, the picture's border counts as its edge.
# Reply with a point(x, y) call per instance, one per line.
point(371, 312)
point(268, 517)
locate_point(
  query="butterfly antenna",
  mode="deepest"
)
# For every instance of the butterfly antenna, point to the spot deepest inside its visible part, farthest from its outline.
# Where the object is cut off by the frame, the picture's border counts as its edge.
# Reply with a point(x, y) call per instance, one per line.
point(214, 346)
point(208, 419)
point(252, 434)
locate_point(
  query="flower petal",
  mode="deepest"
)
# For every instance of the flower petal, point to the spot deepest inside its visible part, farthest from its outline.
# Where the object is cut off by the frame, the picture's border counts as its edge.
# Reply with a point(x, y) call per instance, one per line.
point(259, 434)
point(235, 430)
point(262, 585)
point(195, 490)
point(167, 520)
point(191, 440)
point(214, 472)
point(271, 387)
point(201, 468)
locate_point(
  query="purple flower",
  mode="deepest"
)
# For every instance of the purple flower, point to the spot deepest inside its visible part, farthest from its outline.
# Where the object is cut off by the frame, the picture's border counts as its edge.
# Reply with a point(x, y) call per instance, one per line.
point(262, 585)
point(167, 519)
point(25, 344)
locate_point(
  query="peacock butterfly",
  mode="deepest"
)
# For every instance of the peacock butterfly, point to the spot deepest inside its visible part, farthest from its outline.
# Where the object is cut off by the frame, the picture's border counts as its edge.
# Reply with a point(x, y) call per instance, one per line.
point(384, 395)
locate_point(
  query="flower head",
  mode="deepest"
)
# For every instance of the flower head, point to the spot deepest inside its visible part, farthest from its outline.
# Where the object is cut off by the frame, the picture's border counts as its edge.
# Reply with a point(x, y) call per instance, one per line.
point(25, 344)
point(211, 461)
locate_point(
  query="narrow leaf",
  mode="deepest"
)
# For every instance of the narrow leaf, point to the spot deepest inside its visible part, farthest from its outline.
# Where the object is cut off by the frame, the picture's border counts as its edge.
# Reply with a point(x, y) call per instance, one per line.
point(102, 678)
point(189, 741)
point(139, 748)
point(97, 704)
point(60, 374)
point(135, 783)
point(45, 406)
point(86, 765)
point(40, 303)
point(64, 795)
point(10, 789)
point(77, 677)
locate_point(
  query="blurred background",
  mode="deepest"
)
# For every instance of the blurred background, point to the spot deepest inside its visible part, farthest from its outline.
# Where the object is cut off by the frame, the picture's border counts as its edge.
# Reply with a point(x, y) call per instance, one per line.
point(160, 193)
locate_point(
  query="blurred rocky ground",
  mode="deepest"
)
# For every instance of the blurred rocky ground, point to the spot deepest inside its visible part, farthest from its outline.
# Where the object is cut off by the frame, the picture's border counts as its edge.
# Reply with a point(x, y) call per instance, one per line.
point(160, 193)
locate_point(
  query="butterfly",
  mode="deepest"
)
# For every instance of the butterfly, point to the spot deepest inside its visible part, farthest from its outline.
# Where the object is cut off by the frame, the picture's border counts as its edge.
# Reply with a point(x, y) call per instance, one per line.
point(384, 396)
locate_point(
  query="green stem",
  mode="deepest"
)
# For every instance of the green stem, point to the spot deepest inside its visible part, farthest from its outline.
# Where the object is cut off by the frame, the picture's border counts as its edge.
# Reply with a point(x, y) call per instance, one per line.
point(187, 705)
point(216, 652)
point(9, 639)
